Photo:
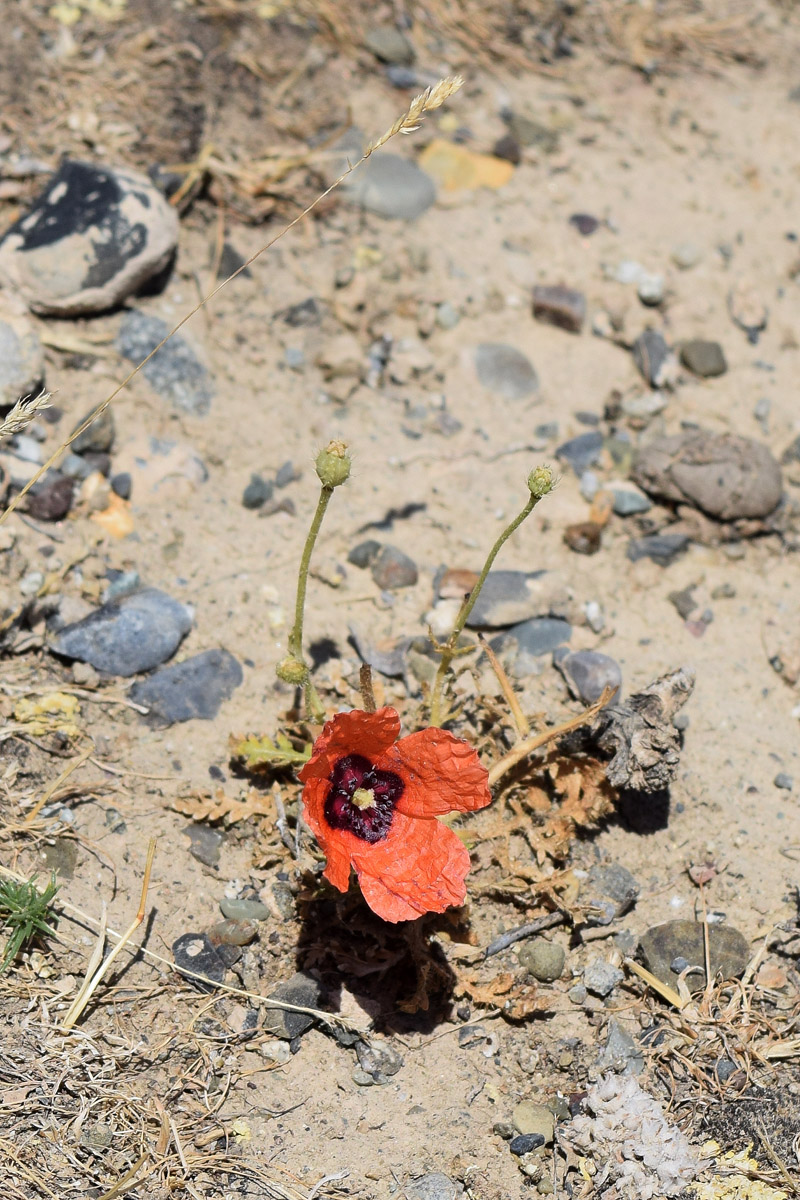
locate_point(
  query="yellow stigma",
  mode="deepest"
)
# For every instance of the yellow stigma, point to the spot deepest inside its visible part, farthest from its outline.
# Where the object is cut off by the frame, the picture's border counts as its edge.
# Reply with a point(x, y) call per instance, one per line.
point(364, 798)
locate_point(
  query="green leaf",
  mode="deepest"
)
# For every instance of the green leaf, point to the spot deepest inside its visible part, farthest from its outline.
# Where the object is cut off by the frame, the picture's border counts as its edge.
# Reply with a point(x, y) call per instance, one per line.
point(258, 753)
point(24, 914)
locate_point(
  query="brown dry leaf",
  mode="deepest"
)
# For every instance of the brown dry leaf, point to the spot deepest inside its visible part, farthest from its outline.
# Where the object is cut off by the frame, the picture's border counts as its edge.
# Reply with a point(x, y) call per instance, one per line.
point(517, 1000)
point(587, 797)
point(202, 807)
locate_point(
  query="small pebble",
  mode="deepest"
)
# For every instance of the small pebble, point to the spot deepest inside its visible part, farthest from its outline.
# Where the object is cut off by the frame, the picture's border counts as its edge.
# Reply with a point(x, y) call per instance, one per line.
point(195, 953)
point(585, 537)
point(577, 994)
point(391, 569)
point(244, 910)
point(782, 780)
point(29, 584)
point(99, 435)
point(686, 255)
point(620, 1052)
point(205, 844)
point(505, 371)
point(434, 1186)
point(257, 492)
point(364, 553)
point(560, 306)
point(127, 636)
point(523, 1143)
point(287, 473)
point(115, 820)
point(232, 933)
point(543, 960)
point(52, 498)
point(588, 672)
point(652, 356)
point(447, 316)
point(662, 548)
point(536, 1119)
point(582, 452)
point(121, 485)
point(585, 223)
point(628, 500)
point(703, 358)
point(650, 290)
point(302, 990)
point(601, 977)
point(389, 45)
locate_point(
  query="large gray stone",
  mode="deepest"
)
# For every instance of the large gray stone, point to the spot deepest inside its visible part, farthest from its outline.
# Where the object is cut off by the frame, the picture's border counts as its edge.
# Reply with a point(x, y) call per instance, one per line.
point(92, 238)
point(174, 372)
point(505, 371)
point(391, 186)
point(126, 636)
point(21, 353)
point(190, 690)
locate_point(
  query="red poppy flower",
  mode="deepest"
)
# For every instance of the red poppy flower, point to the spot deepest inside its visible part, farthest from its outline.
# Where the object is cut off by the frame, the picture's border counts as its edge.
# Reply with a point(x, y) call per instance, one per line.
point(372, 801)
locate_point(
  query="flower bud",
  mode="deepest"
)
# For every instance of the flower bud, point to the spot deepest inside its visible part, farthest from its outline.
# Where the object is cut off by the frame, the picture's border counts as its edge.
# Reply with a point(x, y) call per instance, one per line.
point(333, 464)
point(292, 670)
point(540, 482)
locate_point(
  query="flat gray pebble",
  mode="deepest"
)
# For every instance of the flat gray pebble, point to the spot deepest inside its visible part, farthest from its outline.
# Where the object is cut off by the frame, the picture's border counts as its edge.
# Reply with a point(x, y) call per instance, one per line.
point(533, 639)
point(174, 372)
point(509, 598)
point(391, 569)
point(391, 186)
point(204, 844)
point(191, 690)
point(588, 672)
point(434, 1186)
point(629, 501)
point(581, 452)
point(257, 492)
point(127, 636)
point(302, 990)
point(703, 358)
point(728, 949)
point(662, 548)
point(244, 910)
point(620, 1052)
point(601, 977)
point(505, 371)
point(389, 45)
point(782, 780)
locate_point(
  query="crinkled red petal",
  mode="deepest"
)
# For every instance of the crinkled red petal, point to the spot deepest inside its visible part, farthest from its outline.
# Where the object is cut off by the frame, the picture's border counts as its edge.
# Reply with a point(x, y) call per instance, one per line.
point(441, 774)
point(420, 867)
point(354, 732)
point(333, 842)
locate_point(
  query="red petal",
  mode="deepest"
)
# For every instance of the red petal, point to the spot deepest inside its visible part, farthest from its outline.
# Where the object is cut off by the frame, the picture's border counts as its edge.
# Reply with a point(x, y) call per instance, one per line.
point(354, 732)
point(441, 774)
point(420, 867)
point(334, 843)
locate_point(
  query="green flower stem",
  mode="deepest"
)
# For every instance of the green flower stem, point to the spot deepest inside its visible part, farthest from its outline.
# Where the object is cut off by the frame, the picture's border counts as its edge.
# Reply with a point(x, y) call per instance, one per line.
point(296, 658)
point(449, 650)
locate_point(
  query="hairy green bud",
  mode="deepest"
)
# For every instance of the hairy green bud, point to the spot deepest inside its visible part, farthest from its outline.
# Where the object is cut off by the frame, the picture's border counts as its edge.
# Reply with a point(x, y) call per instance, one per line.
point(540, 482)
point(333, 464)
point(292, 670)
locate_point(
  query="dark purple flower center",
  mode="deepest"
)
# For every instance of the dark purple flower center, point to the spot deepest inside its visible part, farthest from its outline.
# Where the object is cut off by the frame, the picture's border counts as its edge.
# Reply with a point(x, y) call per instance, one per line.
point(362, 798)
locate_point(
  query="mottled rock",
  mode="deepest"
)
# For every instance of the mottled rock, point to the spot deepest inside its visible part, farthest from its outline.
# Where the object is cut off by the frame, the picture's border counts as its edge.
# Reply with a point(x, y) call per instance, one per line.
point(588, 672)
point(729, 951)
point(194, 955)
point(174, 372)
point(434, 1186)
point(610, 892)
point(620, 1052)
point(724, 475)
point(204, 844)
point(303, 991)
point(641, 735)
point(21, 353)
point(653, 357)
point(191, 690)
point(703, 358)
point(92, 238)
point(391, 569)
point(543, 960)
point(557, 305)
point(390, 186)
point(582, 452)
point(126, 636)
point(379, 1060)
point(601, 977)
point(505, 371)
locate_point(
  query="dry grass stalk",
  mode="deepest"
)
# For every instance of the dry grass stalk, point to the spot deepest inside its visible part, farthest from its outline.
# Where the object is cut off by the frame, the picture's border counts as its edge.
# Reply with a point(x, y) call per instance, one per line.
point(23, 414)
point(520, 720)
point(431, 98)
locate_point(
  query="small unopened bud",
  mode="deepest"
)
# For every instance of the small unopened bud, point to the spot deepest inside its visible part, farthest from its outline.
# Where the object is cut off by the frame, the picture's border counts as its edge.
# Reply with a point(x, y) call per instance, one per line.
point(333, 464)
point(292, 670)
point(540, 482)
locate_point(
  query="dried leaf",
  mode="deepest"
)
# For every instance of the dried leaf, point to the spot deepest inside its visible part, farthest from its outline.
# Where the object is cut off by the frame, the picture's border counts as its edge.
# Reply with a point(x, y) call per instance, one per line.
point(221, 807)
point(54, 712)
point(262, 753)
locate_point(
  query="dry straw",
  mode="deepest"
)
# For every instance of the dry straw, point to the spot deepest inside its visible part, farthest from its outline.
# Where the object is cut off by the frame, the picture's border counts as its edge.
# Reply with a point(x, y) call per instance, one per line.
point(23, 413)
point(432, 98)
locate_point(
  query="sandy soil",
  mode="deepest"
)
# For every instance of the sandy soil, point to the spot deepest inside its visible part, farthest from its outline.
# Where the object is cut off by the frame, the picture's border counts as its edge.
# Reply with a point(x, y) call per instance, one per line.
point(701, 156)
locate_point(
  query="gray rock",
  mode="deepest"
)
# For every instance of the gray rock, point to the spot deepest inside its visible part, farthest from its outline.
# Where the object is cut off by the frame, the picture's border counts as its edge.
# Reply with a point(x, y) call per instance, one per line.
point(99, 436)
point(379, 1060)
point(391, 569)
point(89, 241)
point(628, 500)
point(434, 1186)
point(653, 357)
point(523, 1143)
point(610, 882)
point(303, 991)
point(784, 781)
point(122, 484)
point(120, 583)
point(650, 289)
point(560, 306)
point(391, 186)
point(194, 954)
point(174, 372)
point(447, 317)
point(585, 223)
point(703, 358)
point(641, 407)
point(190, 690)
point(729, 952)
point(21, 353)
point(510, 597)
point(389, 45)
point(404, 77)
point(662, 548)
point(601, 977)
point(620, 1052)
point(51, 498)
point(686, 255)
point(244, 910)
point(577, 994)
point(588, 672)
point(257, 492)
point(124, 637)
point(364, 553)
point(204, 844)
point(582, 452)
point(543, 960)
point(505, 371)
point(532, 639)
point(286, 473)
point(726, 476)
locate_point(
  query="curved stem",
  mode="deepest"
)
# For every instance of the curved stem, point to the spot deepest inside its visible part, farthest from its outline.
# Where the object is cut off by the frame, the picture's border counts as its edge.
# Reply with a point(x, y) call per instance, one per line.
point(296, 635)
point(448, 653)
